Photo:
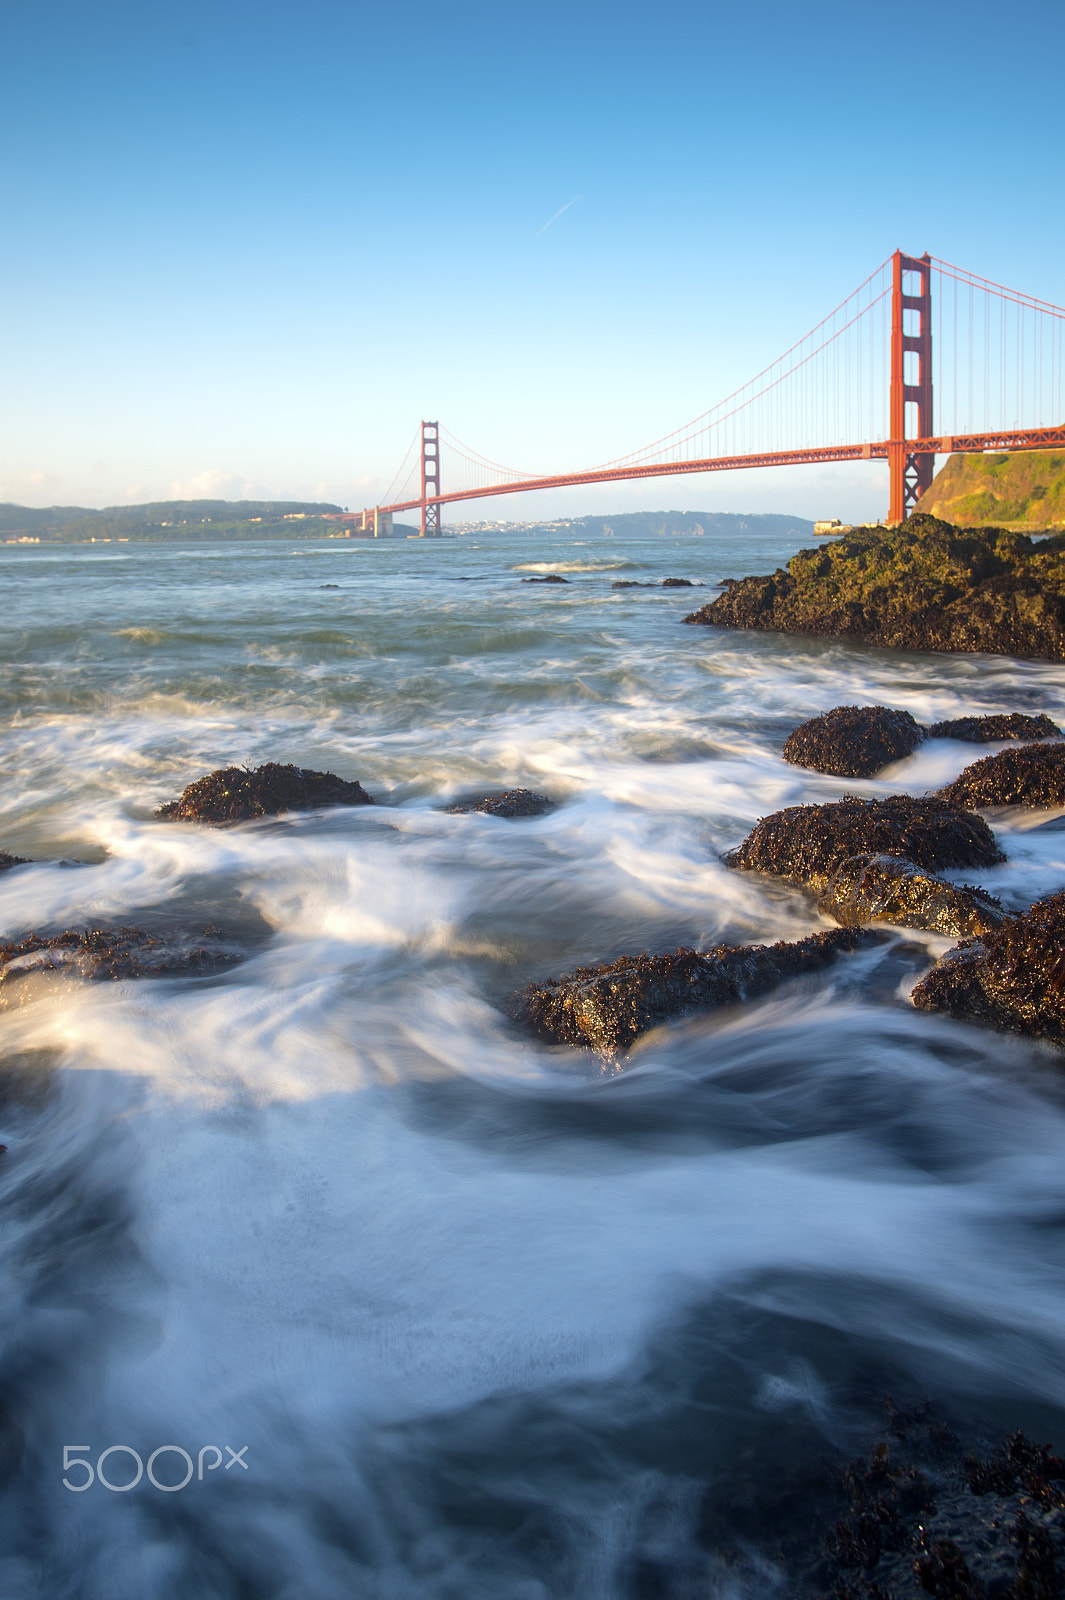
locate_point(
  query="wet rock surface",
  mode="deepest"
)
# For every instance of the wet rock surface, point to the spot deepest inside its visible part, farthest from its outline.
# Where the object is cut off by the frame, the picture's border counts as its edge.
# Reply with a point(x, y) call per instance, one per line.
point(924, 585)
point(997, 725)
point(631, 583)
point(853, 741)
point(678, 583)
point(607, 1008)
point(552, 577)
point(7, 861)
point(926, 1517)
point(1011, 978)
point(99, 954)
point(881, 888)
point(806, 844)
point(1033, 775)
point(507, 803)
point(237, 794)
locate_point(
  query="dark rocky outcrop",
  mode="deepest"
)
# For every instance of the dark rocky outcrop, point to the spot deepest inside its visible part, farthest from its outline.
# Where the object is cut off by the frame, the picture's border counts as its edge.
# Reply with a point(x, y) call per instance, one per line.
point(677, 583)
point(1033, 775)
point(1012, 977)
point(878, 888)
point(998, 725)
point(111, 953)
point(853, 741)
point(607, 1008)
point(237, 794)
point(507, 803)
point(7, 861)
point(924, 585)
point(552, 577)
point(807, 843)
point(631, 583)
point(923, 1516)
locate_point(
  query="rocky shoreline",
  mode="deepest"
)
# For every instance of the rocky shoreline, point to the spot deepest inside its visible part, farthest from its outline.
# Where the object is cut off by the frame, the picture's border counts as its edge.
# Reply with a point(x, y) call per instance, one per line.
point(869, 864)
point(920, 1513)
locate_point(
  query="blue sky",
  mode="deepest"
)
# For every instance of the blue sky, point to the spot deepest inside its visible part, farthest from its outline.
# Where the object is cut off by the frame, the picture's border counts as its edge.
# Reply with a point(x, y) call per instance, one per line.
point(247, 247)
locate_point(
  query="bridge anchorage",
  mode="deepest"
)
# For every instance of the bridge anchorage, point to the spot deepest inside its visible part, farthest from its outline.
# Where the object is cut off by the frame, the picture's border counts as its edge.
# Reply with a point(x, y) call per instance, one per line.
point(858, 387)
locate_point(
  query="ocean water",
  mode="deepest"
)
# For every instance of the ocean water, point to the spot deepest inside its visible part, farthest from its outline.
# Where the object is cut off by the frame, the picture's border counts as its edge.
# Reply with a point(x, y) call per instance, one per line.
point(473, 1317)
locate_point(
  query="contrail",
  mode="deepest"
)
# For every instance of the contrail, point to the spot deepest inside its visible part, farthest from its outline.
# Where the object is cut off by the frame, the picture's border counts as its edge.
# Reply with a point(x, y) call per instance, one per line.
point(557, 214)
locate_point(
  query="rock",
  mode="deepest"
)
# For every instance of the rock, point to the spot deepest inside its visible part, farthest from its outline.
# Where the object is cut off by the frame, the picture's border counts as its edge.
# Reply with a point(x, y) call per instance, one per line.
point(1000, 725)
point(924, 585)
point(677, 583)
point(7, 861)
point(111, 953)
point(879, 888)
point(236, 794)
point(807, 843)
point(508, 803)
point(631, 583)
point(853, 741)
point(606, 1008)
point(552, 577)
point(329, 586)
point(1034, 775)
point(927, 1517)
point(1012, 977)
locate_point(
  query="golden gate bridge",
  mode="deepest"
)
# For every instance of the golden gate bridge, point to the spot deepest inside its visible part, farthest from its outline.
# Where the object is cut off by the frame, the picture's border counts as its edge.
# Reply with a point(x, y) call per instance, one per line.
point(859, 386)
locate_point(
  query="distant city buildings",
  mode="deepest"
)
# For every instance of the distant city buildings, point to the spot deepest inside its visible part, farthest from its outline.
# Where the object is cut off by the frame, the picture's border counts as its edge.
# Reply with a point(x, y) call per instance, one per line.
point(557, 526)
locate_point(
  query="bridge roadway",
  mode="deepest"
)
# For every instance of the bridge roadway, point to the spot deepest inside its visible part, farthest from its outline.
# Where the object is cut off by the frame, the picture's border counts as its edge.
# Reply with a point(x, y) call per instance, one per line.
point(945, 444)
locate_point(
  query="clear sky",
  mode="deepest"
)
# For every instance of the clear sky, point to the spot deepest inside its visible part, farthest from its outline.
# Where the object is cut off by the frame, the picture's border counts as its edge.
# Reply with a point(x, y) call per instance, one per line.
point(248, 246)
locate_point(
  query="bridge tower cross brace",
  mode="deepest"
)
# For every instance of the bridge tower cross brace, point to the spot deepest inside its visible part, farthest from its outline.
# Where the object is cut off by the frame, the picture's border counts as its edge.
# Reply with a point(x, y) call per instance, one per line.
point(911, 473)
point(432, 523)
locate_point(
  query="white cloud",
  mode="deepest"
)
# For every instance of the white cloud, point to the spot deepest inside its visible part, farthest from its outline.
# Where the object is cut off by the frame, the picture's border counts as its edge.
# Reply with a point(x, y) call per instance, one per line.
point(214, 484)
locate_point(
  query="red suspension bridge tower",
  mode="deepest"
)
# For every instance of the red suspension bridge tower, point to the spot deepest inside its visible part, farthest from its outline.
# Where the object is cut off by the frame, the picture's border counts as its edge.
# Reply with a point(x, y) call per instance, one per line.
point(432, 519)
point(911, 381)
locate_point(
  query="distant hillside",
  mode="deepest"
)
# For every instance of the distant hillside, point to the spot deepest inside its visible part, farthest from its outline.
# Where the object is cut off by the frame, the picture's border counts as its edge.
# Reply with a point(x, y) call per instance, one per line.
point(1024, 490)
point(651, 524)
point(163, 520)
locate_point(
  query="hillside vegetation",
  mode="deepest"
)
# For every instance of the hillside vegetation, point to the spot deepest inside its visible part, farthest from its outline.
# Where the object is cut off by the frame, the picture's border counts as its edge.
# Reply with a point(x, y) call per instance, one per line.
point(1023, 490)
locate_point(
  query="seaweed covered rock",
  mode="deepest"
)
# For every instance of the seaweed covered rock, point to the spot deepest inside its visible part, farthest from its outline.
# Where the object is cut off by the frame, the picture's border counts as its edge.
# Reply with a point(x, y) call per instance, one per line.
point(853, 741)
point(508, 803)
point(879, 888)
point(111, 953)
point(1033, 775)
point(1011, 978)
point(607, 1008)
point(923, 585)
point(7, 861)
point(998, 725)
point(925, 1517)
point(237, 794)
point(807, 843)
point(677, 583)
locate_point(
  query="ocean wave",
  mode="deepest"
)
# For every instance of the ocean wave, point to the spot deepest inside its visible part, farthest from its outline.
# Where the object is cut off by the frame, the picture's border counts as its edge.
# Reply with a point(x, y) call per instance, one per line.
point(573, 566)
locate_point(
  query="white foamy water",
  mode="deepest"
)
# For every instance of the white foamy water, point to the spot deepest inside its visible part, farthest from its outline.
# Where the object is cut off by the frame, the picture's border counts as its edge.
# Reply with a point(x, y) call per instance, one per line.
point(489, 1321)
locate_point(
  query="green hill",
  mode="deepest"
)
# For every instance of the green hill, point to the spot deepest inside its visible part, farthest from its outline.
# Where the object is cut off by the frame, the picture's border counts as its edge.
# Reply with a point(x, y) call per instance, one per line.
point(1023, 490)
point(163, 520)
